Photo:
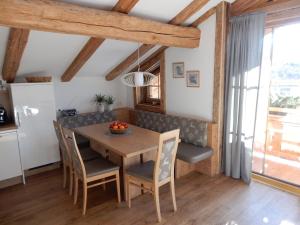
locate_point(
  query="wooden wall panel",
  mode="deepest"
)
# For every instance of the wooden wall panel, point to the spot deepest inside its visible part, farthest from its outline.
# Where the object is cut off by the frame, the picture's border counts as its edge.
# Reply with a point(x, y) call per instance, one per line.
point(219, 74)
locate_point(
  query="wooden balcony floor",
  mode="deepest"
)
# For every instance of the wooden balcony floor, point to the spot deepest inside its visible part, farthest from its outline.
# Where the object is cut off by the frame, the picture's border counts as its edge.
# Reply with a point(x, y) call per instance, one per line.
point(276, 167)
point(200, 200)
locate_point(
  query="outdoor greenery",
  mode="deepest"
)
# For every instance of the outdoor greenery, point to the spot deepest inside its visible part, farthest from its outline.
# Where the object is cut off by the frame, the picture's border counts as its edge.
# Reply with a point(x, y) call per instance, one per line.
point(287, 72)
point(285, 102)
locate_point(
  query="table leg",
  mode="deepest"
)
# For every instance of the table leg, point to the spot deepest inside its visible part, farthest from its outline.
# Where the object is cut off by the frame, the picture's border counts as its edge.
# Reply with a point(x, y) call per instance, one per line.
point(141, 162)
point(124, 180)
point(127, 162)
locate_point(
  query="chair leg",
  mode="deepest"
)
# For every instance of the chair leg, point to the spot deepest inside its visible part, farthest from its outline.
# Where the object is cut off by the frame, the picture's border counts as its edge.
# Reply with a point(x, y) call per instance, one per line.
point(76, 190)
point(118, 187)
point(156, 199)
point(172, 187)
point(71, 180)
point(127, 191)
point(65, 176)
point(84, 198)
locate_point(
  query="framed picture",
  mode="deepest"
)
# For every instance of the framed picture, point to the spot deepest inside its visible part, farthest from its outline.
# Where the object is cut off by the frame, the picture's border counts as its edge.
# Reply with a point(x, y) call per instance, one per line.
point(178, 70)
point(193, 78)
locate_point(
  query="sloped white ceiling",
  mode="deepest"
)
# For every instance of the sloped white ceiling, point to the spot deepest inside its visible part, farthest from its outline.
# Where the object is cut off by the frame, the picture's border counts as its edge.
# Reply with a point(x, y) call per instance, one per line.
point(51, 53)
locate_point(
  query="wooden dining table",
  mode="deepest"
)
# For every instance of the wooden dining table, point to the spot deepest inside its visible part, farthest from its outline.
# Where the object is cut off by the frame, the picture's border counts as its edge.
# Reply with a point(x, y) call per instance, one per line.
point(135, 146)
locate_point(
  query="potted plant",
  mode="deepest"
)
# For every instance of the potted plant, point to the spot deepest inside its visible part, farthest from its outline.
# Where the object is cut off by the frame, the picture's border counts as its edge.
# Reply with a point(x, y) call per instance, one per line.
point(109, 101)
point(99, 99)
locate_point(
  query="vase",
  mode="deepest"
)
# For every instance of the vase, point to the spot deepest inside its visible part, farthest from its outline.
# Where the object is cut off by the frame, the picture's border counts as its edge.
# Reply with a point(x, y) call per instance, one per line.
point(100, 108)
point(109, 107)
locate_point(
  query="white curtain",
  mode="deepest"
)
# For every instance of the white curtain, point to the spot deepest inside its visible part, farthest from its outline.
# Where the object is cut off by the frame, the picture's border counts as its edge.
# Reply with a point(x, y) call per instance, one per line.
point(244, 54)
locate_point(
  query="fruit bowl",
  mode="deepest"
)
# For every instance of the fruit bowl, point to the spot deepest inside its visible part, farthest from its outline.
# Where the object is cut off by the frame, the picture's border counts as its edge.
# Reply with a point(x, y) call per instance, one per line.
point(118, 127)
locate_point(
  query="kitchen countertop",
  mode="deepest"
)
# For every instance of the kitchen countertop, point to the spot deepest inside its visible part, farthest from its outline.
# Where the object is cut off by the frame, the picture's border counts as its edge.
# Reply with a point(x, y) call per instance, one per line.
point(8, 127)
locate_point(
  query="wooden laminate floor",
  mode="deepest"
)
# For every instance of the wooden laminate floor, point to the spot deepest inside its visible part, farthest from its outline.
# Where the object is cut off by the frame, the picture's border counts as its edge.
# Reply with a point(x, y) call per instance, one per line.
point(200, 200)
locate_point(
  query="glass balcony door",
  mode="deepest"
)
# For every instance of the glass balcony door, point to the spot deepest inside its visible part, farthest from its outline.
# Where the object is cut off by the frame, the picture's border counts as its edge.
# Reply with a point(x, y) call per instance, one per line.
point(277, 137)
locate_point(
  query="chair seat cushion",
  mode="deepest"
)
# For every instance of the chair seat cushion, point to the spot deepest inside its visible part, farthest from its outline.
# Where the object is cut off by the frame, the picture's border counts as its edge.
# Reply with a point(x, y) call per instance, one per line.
point(81, 141)
point(193, 154)
point(99, 166)
point(88, 154)
point(144, 170)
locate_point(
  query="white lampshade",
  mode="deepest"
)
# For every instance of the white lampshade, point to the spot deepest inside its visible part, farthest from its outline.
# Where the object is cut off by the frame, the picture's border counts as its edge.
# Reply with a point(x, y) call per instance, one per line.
point(138, 79)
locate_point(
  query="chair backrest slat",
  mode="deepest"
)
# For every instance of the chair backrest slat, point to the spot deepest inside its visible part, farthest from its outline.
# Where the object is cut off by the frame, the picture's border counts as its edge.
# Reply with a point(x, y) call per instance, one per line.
point(166, 155)
point(65, 151)
point(78, 164)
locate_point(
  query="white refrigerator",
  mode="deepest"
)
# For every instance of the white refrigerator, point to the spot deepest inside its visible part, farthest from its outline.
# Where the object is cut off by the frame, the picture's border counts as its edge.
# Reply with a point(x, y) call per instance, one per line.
point(34, 111)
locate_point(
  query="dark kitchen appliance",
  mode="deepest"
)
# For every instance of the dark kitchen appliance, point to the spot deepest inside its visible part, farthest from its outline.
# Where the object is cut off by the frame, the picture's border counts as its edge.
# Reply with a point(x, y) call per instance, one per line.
point(68, 112)
point(3, 115)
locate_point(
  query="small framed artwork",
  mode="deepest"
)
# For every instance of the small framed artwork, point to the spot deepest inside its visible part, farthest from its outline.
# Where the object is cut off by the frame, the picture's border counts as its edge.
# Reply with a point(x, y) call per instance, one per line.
point(178, 70)
point(193, 78)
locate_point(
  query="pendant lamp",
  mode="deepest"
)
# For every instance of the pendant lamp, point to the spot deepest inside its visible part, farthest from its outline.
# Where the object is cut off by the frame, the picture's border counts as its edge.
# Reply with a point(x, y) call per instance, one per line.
point(138, 78)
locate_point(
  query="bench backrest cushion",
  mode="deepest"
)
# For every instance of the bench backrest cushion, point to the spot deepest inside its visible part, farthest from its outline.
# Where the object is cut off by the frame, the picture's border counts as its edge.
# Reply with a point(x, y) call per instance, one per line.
point(86, 119)
point(192, 131)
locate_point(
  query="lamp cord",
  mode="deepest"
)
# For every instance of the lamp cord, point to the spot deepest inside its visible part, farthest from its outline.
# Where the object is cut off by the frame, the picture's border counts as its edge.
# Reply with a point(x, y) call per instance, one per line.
point(138, 58)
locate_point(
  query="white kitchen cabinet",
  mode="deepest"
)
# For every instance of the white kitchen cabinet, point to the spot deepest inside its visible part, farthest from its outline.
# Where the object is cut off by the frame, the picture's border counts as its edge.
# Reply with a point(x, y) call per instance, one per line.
point(34, 110)
point(10, 163)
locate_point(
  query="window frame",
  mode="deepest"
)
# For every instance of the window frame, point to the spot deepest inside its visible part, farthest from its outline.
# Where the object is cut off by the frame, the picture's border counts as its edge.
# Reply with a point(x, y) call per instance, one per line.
point(147, 98)
point(141, 98)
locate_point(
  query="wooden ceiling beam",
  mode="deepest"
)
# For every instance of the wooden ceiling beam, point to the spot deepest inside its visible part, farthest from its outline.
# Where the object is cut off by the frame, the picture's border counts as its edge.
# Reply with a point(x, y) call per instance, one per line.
point(151, 60)
point(283, 17)
point(123, 6)
point(82, 57)
point(264, 6)
point(188, 11)
point(180, 18)
point(277, 6)
point(204, 17)
point(240, 6)
point(56, 16)
point(14, 51)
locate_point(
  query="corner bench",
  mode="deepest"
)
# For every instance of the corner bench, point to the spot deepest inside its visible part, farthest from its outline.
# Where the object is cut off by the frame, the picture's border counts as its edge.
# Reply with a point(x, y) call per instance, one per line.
point(196, 150)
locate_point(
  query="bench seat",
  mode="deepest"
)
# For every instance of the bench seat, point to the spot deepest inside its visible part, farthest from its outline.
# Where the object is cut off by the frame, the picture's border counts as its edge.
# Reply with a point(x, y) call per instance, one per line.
point(193, 133)
point(192, 154)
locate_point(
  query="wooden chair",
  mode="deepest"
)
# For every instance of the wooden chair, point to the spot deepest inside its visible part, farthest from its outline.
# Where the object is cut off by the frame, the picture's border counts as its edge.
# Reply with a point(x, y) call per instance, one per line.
point(66, 156)
point(92, 173)
point(86, 153)
point(151, 175)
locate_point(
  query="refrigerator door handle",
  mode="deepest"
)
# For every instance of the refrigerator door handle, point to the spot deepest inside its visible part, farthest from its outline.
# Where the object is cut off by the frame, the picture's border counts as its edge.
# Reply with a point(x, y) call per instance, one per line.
point(18, 117)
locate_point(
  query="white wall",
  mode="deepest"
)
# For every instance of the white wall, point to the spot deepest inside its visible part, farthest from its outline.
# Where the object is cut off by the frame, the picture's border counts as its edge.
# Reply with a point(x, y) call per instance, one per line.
point(79, 92)
point(188, 101)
